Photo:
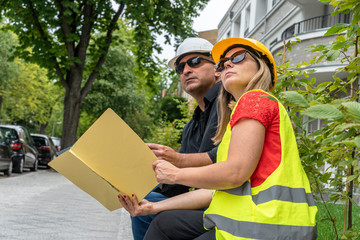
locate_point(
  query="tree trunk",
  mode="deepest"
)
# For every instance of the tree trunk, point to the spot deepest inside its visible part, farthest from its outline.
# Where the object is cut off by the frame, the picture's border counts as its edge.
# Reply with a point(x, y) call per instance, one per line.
point(43, 127)
point(72, 103)
point(74, 94)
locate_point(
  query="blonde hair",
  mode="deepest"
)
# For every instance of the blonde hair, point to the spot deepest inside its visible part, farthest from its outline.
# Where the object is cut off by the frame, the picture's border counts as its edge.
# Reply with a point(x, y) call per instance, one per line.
point(225, 103)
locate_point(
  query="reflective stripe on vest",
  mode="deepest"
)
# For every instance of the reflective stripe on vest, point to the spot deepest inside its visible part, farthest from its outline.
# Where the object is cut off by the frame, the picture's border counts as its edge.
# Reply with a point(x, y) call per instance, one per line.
point(253, 230)
point(295, 195)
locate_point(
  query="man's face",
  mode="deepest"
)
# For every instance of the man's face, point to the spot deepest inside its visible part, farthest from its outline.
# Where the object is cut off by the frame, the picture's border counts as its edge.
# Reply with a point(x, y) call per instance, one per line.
point(197, 80)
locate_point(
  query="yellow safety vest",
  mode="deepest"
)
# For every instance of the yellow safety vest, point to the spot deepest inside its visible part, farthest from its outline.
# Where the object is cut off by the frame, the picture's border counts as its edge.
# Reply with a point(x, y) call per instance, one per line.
point(282, 207)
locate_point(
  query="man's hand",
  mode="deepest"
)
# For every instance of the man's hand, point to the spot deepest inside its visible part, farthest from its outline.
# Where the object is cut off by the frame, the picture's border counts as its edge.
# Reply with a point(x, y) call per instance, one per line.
point(131, 205)
point(166, 153)
point(165, 172)
point(180, 160)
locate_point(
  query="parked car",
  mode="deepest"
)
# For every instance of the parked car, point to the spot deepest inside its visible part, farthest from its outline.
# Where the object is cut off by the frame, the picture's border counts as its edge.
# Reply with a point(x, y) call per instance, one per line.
point(57, 143)
point(46, 148)
point(6, 156)
point(25, 152)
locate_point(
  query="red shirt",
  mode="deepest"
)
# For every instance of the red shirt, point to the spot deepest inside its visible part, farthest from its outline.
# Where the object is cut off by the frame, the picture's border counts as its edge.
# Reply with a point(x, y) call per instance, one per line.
point(257, 105)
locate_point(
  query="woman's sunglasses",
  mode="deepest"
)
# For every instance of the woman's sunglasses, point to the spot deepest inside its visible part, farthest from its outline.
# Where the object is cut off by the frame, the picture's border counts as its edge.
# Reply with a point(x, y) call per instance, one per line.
point(235, 58)
point(192, 62)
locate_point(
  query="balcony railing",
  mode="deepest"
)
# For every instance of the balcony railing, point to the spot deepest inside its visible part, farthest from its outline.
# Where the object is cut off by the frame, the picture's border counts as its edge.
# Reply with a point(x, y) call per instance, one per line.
point(313, 24)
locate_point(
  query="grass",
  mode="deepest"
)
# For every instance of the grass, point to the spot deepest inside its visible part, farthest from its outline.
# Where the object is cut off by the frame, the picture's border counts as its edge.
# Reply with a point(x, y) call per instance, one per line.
point(325, 226)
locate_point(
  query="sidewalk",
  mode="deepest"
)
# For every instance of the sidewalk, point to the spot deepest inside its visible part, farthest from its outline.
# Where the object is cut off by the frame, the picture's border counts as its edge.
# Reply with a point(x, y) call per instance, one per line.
point(45, 205)
point(125, 226)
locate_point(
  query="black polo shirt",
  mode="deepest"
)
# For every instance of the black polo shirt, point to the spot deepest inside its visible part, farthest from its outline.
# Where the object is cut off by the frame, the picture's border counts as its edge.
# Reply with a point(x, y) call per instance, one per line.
point(197, 134)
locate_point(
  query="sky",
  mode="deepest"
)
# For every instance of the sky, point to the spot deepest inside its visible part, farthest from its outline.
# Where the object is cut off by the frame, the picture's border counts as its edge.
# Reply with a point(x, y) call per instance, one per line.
point(209, 19)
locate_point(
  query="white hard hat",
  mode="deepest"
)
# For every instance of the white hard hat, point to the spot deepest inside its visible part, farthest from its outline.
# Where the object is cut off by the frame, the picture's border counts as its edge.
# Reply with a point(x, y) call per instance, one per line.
point(189, 45)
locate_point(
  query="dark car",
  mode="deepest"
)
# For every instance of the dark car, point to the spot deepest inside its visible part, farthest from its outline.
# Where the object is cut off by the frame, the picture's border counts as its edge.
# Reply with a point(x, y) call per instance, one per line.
point(25, 152)
point(6, 154)
point(57, 143)
point(46, 148)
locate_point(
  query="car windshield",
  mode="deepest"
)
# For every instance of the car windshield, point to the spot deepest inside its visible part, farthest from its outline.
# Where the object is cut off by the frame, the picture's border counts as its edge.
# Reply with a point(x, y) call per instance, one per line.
point(39, 141)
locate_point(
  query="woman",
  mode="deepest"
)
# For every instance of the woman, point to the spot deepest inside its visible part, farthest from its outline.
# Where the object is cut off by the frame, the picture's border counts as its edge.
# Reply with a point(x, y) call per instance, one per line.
point(262, 191)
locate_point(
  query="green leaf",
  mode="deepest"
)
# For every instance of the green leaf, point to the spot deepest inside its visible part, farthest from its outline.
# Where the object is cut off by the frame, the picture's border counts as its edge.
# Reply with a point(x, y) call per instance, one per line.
point(320, 58)
point(332, 55)
point(349, 143)
point(323, 111)
point(344, 126)
point(355, 163)
point(351, 178)
point(321, 87)
point(333, 87)
point(337, 28)
point(295, 98)
point(353, 110)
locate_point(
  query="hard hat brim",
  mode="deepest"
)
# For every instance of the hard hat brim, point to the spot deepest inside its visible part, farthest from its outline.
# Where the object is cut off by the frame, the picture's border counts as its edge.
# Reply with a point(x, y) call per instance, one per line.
point(172, 62)
point(221, 46)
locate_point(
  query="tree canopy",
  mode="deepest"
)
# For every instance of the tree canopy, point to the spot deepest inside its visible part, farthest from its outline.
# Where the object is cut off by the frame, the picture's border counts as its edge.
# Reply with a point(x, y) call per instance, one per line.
point(60, 36)
point(26, 94)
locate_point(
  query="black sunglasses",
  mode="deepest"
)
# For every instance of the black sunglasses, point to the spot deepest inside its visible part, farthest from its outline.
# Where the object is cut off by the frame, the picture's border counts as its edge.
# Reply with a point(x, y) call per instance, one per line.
point(192, 62)
point(237, 57)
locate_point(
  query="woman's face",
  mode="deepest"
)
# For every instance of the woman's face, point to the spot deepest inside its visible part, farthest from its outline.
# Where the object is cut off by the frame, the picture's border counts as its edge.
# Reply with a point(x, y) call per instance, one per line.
point(236, 76)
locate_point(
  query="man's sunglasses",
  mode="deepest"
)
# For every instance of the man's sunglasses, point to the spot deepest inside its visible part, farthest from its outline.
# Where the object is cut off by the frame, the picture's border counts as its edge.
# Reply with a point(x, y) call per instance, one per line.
point(192, 62)
point(237, 57)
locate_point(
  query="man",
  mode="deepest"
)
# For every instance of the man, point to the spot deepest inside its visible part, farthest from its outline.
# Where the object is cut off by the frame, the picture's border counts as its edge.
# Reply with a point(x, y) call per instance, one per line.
point(198, 77)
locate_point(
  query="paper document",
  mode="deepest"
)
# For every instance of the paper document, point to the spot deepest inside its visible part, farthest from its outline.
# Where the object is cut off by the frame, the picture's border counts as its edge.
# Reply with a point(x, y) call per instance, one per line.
point(108, 159)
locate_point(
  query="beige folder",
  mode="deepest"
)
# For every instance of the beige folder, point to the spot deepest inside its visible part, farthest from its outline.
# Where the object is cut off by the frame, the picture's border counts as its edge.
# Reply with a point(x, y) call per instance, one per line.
point(109, 159)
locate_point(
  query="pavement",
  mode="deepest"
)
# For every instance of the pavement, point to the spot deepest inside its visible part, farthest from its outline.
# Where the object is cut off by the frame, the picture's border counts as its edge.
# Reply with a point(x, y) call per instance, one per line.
point(45, 205)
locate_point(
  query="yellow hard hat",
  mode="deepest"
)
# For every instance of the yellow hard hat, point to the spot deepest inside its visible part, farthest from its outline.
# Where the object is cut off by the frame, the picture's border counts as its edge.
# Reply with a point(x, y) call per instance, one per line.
point(221, 46)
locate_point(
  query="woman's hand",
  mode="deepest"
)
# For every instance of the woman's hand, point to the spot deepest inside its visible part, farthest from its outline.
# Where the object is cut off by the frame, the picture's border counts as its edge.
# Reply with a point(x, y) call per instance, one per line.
point(165, 172)
point(131, 205)
point(166, 153)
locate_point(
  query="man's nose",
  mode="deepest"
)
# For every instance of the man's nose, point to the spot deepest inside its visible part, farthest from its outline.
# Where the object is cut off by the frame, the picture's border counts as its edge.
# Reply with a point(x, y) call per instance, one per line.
point(187, 69)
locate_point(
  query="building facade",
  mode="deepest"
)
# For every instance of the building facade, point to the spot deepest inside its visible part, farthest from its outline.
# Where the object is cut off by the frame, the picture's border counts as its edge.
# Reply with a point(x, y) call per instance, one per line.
point(274, 22)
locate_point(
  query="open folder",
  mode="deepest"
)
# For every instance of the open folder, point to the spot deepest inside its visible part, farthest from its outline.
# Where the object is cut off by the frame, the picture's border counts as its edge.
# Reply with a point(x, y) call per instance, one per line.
point(109, 159)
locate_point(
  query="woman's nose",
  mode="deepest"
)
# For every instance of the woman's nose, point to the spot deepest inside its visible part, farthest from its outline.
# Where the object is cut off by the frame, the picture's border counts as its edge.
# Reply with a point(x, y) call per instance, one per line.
point(228, 63)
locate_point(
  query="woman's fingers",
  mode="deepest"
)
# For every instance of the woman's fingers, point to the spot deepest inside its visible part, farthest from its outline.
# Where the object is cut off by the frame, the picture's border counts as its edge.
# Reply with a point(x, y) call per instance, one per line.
point(129, 204)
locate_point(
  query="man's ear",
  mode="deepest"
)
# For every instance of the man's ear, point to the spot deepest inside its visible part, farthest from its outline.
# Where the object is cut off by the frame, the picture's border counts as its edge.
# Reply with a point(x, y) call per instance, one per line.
point(217, 74)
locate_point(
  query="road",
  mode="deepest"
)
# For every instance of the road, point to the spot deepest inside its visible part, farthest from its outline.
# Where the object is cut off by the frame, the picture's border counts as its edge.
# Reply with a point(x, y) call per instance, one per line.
point(45, 205)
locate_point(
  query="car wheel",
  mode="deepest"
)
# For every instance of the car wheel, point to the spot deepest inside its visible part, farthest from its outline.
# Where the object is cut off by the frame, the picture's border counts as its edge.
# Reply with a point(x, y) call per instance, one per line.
point(9, 170)
point(35, 167)
point(19, 168)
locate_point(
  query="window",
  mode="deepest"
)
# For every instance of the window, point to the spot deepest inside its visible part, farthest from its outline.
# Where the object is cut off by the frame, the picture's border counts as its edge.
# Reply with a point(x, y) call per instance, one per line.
point(228, 34)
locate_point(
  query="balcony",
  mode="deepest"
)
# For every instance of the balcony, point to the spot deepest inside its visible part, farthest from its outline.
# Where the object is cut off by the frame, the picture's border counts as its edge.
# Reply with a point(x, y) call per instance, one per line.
point(313, 24)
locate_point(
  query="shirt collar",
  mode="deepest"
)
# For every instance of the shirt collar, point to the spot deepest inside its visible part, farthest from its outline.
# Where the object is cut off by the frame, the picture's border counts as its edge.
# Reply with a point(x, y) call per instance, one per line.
point(213, 92)
point(209, 97)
